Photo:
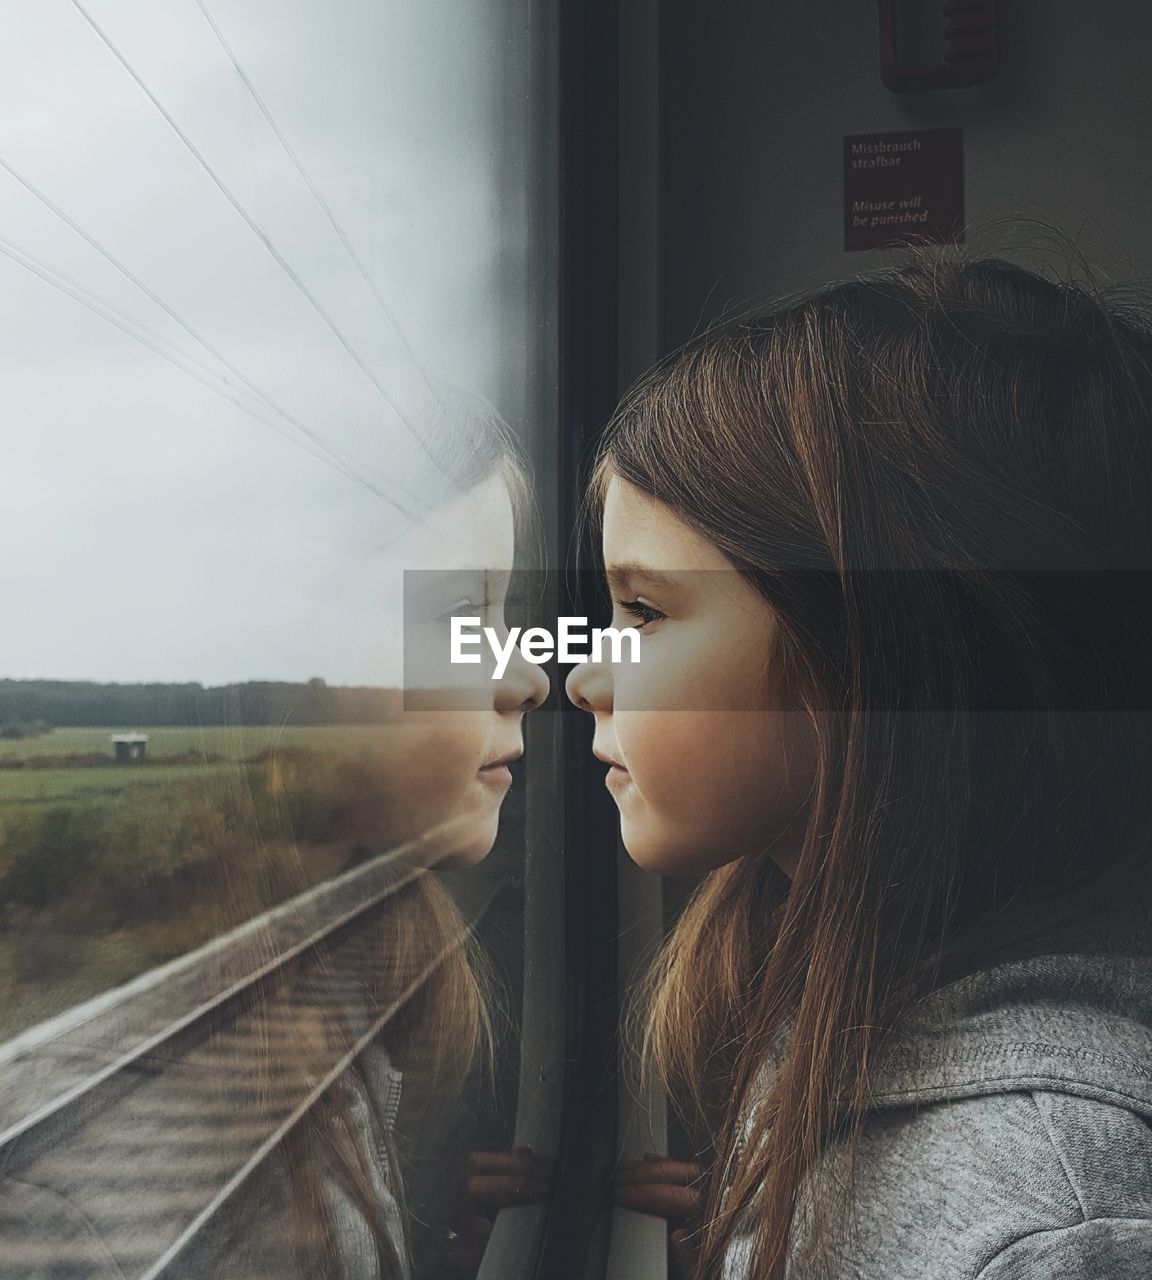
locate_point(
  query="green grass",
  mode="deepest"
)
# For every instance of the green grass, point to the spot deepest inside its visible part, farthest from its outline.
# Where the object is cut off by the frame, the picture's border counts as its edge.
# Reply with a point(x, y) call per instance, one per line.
point(80, 786)
point(106, 870)
point(85, 784)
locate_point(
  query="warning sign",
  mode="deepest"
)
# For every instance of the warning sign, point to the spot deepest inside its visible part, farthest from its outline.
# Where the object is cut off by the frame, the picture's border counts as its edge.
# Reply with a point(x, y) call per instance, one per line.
point(902, 186)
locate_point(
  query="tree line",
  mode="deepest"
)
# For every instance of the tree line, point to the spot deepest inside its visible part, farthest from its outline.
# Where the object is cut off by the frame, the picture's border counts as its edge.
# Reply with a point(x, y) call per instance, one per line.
point(85, 703)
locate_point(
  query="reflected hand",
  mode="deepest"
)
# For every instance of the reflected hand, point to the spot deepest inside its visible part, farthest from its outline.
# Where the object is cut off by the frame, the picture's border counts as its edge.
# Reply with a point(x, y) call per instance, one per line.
point(669, 1189)
point(493, 1180)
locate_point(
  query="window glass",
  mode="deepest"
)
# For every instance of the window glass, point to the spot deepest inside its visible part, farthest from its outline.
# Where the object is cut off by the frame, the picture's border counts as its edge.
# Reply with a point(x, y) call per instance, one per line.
point(272, 285)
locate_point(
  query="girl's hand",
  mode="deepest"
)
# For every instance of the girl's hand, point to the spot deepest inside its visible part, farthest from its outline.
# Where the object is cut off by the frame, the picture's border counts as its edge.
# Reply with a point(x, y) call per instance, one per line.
point(669, 1189)
point(493, 1180)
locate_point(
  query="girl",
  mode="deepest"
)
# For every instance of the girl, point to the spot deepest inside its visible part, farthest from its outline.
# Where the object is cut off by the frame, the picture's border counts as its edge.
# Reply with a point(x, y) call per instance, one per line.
point(885, 547)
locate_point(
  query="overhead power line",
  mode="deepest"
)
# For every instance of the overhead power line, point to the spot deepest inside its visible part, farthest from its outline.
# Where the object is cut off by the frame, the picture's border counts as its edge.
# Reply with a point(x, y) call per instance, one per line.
point(249, 221)
point(345, 463)
point(310, 183)
point(168, 351)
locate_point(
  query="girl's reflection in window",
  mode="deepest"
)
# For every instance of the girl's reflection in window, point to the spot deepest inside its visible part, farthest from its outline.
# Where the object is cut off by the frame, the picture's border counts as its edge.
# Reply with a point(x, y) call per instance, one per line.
point(427, 792)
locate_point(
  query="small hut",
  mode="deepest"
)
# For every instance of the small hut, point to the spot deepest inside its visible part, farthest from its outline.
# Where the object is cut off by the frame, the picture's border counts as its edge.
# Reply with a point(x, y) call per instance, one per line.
point(129, 747)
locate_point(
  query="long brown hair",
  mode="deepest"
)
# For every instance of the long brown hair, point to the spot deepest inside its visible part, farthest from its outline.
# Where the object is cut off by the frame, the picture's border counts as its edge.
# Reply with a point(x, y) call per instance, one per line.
point(903, 464)
point(428, 969)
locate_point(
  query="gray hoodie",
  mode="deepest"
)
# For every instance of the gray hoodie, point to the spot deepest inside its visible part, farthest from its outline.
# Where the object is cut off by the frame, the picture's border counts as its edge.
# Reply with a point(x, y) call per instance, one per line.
point(1009, 1135)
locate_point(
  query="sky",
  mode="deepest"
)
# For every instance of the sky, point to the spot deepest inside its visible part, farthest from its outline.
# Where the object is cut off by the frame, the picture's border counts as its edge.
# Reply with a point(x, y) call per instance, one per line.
point(151, 528)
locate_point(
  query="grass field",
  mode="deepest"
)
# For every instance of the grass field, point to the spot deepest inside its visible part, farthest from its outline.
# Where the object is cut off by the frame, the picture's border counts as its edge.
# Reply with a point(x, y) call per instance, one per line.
point(78, 785)
point(109, 870)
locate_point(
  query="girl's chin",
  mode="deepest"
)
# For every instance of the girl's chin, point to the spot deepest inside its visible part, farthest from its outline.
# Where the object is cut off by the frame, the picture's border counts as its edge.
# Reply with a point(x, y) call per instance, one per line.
point(464, 839)
point(645, 852)
point(467, 858)
point(480, 835)
point(664, 857)
point(469, 852)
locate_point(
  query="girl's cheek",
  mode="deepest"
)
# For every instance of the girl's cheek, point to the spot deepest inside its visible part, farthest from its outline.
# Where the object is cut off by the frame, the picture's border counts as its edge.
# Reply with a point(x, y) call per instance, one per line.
point(668, 679)
point(445, 742)
point(663, 751)
point(432, 761)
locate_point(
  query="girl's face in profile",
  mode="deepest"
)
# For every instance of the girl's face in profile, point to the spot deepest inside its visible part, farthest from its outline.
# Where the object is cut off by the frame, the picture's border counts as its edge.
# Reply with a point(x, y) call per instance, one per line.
point(435, 772)
point(706, 764)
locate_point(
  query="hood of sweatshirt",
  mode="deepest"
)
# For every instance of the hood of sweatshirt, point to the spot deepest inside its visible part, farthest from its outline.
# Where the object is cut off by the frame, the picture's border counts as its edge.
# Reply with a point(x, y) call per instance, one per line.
point(1075, 1020)
point(1077, 1023)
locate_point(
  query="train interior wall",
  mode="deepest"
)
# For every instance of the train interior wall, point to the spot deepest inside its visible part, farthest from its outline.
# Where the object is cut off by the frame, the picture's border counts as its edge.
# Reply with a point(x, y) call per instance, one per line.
point(757, 97)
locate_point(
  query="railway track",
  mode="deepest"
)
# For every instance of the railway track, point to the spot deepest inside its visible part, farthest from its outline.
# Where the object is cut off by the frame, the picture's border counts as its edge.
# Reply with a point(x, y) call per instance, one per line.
point(129, 1126)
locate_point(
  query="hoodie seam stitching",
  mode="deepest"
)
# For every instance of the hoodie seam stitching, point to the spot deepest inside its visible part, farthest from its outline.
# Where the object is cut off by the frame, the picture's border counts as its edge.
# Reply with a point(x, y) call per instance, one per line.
point(1024, 1082)
point(1017, 1047)
point(1046, 1125)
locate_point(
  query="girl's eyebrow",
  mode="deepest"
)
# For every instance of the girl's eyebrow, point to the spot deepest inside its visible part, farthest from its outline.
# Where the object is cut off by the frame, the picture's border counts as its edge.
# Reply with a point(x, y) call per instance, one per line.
point(619, 575)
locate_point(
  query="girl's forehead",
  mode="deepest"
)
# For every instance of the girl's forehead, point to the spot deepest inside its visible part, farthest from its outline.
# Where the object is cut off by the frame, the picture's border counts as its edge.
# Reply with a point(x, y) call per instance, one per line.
point(471, 530)
point(637, 526)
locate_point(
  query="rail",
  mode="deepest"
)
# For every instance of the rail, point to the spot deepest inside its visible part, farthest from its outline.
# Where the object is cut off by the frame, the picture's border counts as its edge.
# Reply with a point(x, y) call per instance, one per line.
point(129, 1123)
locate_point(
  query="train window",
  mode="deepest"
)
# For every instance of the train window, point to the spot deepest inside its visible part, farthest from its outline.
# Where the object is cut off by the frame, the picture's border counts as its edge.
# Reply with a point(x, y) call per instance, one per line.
point(277, 329)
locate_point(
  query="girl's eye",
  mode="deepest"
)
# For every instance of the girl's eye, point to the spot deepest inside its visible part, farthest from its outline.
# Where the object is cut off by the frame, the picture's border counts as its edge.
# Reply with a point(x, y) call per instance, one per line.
point(463, 607)
point(486, 600)
point(490, 612)
point(638, 609)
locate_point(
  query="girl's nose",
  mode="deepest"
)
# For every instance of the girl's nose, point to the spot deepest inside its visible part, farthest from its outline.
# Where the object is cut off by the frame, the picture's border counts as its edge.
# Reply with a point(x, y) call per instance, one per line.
point(589, 687)
point(523, 687)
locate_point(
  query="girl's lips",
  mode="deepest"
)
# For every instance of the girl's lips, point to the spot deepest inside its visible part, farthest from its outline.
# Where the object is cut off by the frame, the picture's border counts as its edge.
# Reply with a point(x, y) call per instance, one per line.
point(496, 776)
point(617, 776)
